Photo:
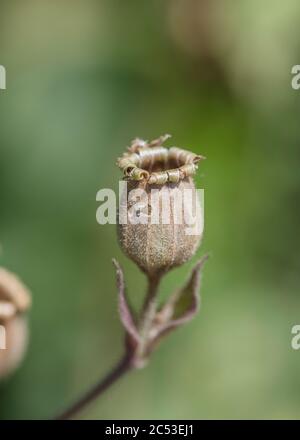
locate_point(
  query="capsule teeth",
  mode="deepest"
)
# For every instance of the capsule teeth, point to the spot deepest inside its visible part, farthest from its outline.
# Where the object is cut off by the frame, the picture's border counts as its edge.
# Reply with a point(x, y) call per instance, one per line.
point(137, 144)
point(138, 174)
point(201, 157)
point(137, 162)
point(159, 141)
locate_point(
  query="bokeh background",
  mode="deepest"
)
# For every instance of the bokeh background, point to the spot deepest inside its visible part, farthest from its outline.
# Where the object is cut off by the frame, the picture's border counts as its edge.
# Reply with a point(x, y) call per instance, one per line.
point(83, 79)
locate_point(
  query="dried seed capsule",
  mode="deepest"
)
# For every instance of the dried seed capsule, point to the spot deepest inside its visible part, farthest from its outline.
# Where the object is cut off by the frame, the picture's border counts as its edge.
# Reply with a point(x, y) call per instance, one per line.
point(14, 302)
point(162, 207)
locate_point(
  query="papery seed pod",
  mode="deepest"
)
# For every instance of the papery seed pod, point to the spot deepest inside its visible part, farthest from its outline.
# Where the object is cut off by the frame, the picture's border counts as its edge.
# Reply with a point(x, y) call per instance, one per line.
point(14, 302)
point(156, 236)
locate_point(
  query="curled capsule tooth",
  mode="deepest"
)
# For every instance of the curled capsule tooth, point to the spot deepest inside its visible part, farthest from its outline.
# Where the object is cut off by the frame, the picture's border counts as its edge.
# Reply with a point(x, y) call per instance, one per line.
point(174, 175)
point(137, 144)
point(149, 156)
point(160, 140)
point(128, 162)
point(138, 174)
point(183, 156)
point(199, 157)
point(188, 169)
point(159, 178)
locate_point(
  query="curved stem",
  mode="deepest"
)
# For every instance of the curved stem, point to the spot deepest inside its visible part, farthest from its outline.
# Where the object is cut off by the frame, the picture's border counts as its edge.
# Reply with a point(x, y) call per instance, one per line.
point(123, 366)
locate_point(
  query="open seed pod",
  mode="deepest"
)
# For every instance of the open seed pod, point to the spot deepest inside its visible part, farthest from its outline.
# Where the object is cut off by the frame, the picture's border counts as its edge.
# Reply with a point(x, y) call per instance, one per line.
point(15, 300)
point(161, 221)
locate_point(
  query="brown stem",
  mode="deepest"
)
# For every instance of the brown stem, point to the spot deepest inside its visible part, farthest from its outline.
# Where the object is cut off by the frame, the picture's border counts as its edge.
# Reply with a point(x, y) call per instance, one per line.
point(149, 306)
point(148, 311)
point(124, 366)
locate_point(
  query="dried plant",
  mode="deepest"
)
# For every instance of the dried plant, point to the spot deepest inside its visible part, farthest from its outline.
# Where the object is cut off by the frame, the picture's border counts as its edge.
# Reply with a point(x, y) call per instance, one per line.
point(156, 249)
point(15, 301)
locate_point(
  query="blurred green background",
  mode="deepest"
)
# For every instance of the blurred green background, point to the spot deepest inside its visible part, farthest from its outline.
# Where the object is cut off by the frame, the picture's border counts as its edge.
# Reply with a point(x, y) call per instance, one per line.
point(83, 79)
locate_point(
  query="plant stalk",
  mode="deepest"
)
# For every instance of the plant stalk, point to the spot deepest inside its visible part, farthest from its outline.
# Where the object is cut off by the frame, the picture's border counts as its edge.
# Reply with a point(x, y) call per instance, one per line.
point(148, 312)
point(122, 367)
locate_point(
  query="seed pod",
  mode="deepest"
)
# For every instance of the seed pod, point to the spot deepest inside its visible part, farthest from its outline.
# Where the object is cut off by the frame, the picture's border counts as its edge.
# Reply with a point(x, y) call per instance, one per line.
point(14, 302)
point(157, 235)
